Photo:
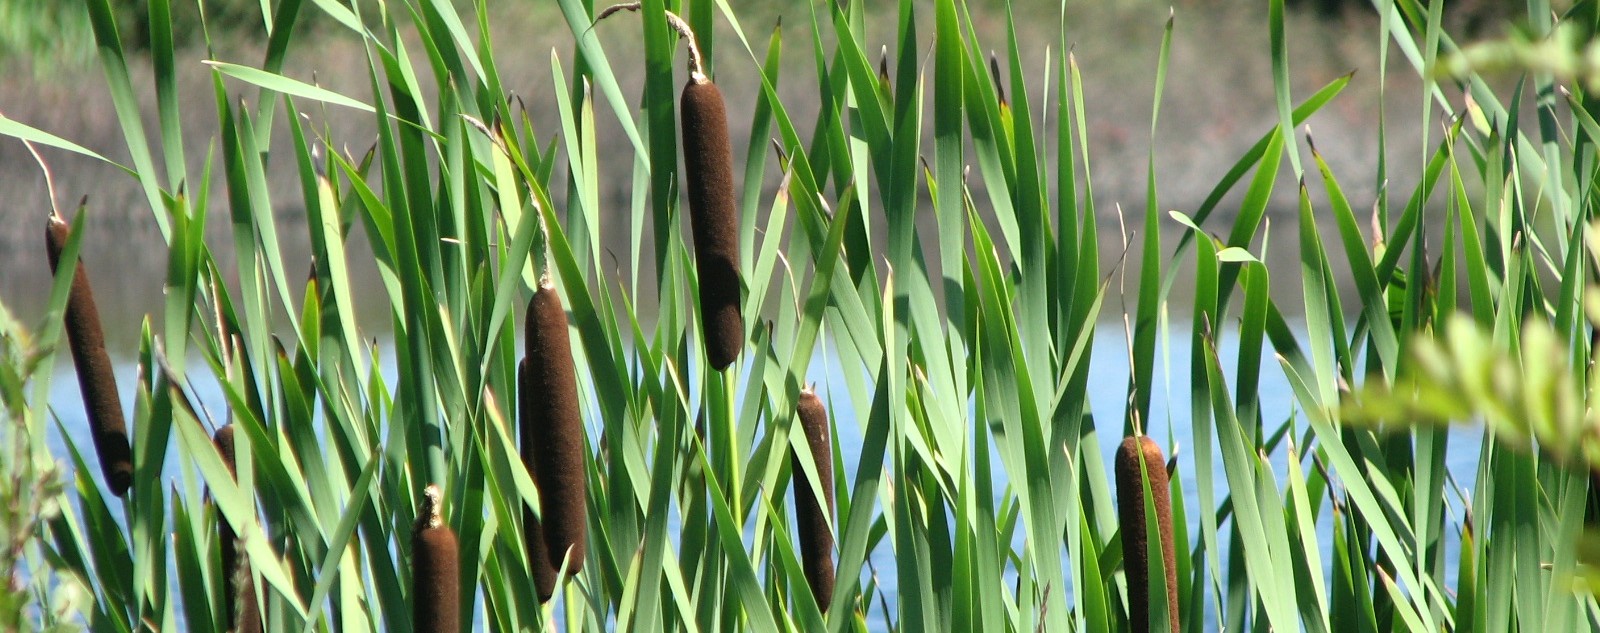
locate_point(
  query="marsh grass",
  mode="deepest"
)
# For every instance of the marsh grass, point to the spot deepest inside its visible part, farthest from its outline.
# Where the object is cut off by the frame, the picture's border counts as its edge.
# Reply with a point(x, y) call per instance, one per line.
point(961, 345)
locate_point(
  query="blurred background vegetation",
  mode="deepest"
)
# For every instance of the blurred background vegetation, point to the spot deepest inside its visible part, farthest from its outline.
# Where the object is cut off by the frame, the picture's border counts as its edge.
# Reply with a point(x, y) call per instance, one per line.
point(46, 34)
point(43, 34)
point(1220, 73)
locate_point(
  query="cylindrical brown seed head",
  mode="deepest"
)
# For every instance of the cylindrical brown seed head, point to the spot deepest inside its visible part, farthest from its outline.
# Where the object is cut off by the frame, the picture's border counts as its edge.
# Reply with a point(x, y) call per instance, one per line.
point(553, 430)
point(708, 170)
point(249, 610)
point(544, 576)
point(95, 378)
point(1135, 539)
point(816, 539)
point(240, 609)
point(435, 570)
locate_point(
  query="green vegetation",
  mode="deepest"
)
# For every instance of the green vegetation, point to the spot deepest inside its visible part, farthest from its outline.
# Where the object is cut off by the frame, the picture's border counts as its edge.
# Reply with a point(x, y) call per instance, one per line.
point(32, 595)
point(47, 33)
point(953, 353)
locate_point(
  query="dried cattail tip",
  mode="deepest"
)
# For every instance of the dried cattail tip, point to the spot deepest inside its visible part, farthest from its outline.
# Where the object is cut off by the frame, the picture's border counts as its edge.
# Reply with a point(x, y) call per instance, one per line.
point(223, 439)
point(95, 378)
point(994, 74)
point(697, 70)
point(1135, 540)
point(240, 609)
point(816, 537)
point(552, 433)
point(435, 569)
point(708, 169)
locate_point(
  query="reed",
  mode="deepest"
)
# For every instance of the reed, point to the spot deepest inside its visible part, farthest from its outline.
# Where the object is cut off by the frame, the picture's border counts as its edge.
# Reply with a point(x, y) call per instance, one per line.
point(435, 569)
point(1135, 537)
point(552, 435)
point(816, 535)
point(101, 402)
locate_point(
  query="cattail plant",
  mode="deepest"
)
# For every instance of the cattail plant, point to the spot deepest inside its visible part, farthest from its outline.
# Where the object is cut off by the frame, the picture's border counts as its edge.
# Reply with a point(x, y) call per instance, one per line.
point(552, 439)
point(713, 214)
point(1135, 537)
point(240, 609)
point(435, 569)
point(107, 428)
point(816, 537)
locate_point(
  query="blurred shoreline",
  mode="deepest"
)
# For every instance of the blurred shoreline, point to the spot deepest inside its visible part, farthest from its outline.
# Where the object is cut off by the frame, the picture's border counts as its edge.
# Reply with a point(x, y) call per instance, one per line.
point(1218, 101)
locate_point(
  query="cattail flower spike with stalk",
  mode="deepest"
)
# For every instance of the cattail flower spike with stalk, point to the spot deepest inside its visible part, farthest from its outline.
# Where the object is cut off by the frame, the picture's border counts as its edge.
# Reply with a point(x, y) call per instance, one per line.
point(435, 568)
point(96, 379)
point(812, 514)
point(713, 212)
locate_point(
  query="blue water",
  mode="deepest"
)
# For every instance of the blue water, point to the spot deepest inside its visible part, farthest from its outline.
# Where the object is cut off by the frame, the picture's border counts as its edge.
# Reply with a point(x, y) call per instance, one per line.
point(1109, 358)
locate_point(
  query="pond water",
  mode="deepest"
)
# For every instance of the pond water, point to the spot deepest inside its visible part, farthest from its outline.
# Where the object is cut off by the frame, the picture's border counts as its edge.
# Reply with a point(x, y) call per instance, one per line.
point(1169, 416)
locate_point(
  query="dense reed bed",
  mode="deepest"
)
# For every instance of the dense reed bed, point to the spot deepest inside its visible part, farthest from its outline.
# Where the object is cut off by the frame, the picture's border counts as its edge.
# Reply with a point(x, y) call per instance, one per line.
point(975, 489)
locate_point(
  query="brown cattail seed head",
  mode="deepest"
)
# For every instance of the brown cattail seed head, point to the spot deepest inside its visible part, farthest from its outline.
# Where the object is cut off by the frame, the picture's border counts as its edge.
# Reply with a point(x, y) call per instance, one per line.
point(435, 569)
point(249, 610)
point(816, 537)
point(240, 609)
point(95, 378)
point(1135, 540)
point(552, 431)
point(708, 169)
point(544, 576)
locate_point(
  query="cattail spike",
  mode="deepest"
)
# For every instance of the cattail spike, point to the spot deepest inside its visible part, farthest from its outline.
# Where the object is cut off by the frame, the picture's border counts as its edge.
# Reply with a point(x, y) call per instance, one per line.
point(553, 436)
point(436, 570)
point(96, 380)
point(544, 576)
point(811, 514)
point(708, 170)
point(1135, 539)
